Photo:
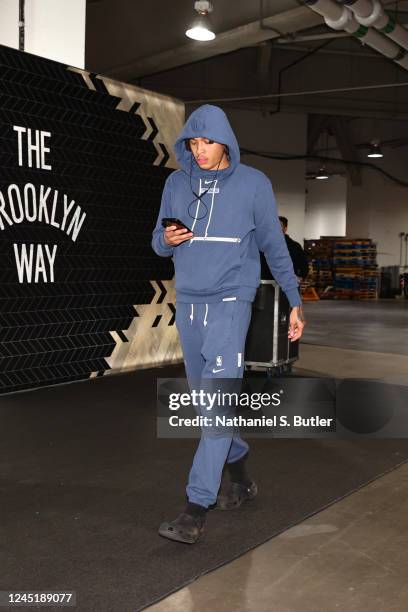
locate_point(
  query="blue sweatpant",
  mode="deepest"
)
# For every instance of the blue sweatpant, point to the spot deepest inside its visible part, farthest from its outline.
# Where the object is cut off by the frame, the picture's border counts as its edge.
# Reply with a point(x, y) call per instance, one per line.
point(213, 337)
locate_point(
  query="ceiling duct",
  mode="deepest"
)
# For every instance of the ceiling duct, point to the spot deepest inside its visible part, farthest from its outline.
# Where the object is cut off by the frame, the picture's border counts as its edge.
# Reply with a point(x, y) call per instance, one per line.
point(370, 13)
point(339, 17)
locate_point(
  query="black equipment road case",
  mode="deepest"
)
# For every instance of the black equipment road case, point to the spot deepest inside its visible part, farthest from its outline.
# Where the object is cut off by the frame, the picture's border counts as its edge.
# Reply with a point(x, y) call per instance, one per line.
point(267, 344)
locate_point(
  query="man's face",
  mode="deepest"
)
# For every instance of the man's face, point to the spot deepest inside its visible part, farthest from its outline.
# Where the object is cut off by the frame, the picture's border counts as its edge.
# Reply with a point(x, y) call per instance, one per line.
point(284, 227)
point(208, 154)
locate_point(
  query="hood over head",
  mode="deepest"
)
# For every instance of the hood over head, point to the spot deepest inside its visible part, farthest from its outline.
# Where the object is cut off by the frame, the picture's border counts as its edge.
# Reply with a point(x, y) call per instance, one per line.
point(211, 122)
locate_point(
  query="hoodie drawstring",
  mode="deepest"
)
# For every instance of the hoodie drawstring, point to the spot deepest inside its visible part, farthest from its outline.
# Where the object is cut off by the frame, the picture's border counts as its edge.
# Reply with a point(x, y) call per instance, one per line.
point(212, 204)
point(205, 316)
point(196, 212)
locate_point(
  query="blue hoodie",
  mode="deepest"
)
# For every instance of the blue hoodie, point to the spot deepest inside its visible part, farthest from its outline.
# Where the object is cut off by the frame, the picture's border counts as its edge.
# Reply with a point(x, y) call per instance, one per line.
point(235, 218)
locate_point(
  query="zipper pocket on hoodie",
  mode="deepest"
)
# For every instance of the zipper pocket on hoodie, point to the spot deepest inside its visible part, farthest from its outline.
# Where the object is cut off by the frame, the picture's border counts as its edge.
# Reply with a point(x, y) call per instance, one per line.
point(208, 266)
point(215, 239)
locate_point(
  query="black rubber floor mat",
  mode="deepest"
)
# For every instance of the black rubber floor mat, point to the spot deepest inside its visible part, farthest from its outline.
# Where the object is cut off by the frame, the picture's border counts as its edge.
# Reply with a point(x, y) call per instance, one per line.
point(85, 484)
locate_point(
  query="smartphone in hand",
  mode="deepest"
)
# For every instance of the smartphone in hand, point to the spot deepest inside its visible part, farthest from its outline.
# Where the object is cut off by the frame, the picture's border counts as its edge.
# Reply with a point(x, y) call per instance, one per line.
point(167, 221)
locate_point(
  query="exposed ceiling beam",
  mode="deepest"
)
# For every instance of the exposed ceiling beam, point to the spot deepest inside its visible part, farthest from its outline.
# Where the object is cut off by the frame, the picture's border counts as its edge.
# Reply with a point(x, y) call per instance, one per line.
point(341, 132)
point(395, 143)
point(264, 51)
point(352, 52)
point(294, 20)
point(316, 125)
point(334, 108)
point(263, 60)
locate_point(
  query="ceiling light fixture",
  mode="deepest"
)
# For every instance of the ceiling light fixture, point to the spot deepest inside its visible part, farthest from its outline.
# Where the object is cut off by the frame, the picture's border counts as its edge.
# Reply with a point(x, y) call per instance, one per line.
point(201, 27)
point(375, 149)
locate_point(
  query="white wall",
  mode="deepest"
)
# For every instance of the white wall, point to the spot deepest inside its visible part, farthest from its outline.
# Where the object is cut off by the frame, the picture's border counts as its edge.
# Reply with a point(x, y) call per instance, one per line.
point(53, 28)
point(9, 23)
point(379, 208)
point(326, 207)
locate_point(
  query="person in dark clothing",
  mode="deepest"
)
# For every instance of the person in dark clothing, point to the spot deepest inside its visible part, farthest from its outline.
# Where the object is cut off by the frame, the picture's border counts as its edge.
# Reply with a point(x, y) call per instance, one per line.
point(297, 255)
point(299, 259)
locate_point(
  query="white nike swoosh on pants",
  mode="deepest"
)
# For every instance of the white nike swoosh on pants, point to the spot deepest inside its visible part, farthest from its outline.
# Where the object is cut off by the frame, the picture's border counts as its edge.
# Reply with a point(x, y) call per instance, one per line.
point(215, 371)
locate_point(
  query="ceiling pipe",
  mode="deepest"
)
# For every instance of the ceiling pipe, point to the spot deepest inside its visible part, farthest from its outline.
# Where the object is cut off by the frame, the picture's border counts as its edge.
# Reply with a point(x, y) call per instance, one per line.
point(371, 13)
point(341, 18)
point(296, 93)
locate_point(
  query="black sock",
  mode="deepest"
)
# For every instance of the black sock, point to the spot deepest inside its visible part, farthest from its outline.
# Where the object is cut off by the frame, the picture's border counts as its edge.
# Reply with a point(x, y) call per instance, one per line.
point(238, 471)
point(195, 509)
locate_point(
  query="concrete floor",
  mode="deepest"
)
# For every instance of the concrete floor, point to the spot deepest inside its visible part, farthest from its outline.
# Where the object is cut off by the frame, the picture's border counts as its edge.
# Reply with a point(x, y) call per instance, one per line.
point(366, 325)
point(353, 555)
point(348, 363)
point(350, 557)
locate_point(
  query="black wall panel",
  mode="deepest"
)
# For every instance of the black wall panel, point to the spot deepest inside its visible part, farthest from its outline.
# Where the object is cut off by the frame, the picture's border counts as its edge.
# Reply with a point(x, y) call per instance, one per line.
point(76, 218)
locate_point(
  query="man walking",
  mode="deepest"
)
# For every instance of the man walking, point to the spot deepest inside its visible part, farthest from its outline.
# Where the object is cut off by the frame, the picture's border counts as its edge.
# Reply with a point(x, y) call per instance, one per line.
point(231, 211)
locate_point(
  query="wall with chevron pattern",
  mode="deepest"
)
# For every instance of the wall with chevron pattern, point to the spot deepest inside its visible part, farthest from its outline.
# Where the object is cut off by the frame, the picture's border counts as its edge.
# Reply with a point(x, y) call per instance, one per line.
point(83, 160)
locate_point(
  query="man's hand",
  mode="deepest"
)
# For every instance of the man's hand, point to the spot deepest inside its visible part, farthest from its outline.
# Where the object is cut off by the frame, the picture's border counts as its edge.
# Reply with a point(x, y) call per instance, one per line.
point(296, 323)
point(174, 237)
